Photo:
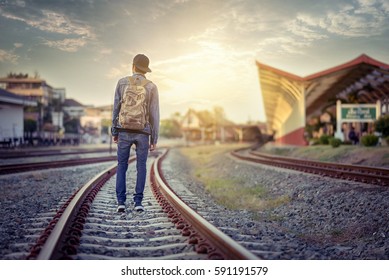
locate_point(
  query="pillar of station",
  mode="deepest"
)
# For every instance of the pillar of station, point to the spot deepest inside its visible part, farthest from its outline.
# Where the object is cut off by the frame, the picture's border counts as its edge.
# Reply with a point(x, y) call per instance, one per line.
point(339, 133)
point(293, 128)
point(284, 101)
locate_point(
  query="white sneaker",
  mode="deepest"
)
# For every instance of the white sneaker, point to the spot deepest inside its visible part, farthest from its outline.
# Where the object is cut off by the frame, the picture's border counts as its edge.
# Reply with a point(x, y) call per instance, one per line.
point(121, 208)
point(139, 207)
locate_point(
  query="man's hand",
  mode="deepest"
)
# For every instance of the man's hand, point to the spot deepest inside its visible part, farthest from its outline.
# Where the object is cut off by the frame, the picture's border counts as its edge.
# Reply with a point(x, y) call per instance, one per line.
point(115, 139)
point(152, 147)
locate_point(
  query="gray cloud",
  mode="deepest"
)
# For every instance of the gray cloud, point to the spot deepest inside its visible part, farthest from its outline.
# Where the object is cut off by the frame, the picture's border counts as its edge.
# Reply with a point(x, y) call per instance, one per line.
point(51, 21)
point(67, 45)
point(364, 18)
point(74, 33)
point(8, 56)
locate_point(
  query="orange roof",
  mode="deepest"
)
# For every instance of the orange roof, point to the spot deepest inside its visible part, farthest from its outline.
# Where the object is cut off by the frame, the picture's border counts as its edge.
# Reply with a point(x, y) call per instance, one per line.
point(362, 59)
point(359, 60)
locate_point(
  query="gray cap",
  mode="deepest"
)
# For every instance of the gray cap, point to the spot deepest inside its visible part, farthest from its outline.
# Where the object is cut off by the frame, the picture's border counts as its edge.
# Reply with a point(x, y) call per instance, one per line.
point(142, 62)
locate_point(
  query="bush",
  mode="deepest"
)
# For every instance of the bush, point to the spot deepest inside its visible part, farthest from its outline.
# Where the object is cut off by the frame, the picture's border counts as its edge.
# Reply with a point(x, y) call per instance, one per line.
point(314, 141)
point(324, 139)
point(382, 125)
point(369, 140)
point(335, 142)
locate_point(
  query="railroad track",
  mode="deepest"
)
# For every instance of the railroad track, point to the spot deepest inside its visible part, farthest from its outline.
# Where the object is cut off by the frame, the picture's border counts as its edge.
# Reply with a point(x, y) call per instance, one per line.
point(364, 174)
point(88, 227)
point(23, 167)
point(12, 154)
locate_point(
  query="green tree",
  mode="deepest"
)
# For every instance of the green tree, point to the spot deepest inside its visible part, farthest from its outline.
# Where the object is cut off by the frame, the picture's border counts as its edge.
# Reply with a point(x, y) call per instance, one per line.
point(30, 126)
point(170, 128)
point(105, 125)
point(72, 126)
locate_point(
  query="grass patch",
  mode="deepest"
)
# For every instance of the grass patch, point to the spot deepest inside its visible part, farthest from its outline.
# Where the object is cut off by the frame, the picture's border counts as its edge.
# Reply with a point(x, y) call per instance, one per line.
point(226, 187)
point(231, 194)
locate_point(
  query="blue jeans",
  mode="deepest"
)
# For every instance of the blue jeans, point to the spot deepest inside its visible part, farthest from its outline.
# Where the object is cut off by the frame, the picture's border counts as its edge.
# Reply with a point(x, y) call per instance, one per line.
point(125, 141)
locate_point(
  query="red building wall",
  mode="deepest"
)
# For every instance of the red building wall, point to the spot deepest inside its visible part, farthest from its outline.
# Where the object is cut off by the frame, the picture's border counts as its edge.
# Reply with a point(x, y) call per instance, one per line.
point(295, 137)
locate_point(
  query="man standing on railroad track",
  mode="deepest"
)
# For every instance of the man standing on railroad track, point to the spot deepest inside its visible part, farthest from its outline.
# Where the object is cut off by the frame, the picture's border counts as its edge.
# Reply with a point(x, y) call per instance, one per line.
point(135, 121)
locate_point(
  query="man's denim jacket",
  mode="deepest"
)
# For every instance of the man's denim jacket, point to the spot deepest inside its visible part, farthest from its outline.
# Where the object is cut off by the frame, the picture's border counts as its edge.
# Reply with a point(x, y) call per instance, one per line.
point(152, 128)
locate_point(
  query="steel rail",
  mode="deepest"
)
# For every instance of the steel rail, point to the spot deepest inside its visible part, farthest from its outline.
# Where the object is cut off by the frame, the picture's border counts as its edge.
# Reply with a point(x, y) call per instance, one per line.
point(6, 154)
point(23, 167)
point(52, 248)
point(329, 165)
point(371, 175)
point(229, 248)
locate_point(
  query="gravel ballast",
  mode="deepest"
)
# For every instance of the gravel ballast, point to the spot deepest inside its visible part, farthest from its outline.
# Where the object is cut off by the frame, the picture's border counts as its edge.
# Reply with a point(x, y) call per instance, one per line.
point(26, 196)
point(322, 218)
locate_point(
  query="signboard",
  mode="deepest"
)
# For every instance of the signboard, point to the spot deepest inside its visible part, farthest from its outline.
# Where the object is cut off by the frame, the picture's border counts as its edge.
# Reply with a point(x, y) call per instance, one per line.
point(351, 113)
point(358, 113)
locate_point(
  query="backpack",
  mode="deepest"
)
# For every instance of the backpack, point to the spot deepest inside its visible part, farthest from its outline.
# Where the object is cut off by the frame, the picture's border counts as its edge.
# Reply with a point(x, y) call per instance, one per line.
point(133, 110)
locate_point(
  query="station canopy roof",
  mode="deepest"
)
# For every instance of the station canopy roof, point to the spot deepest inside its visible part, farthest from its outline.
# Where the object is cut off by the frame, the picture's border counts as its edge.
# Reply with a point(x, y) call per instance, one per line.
point(364, 76)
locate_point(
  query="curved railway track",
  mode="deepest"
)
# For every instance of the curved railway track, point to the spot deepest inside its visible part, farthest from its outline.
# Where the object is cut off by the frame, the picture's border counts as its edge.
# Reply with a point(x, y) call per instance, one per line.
point(86, 227)
point(364, 174)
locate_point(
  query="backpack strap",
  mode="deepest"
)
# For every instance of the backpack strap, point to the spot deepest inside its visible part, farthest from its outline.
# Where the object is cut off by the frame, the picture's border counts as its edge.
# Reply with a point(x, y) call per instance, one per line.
point(142, 83)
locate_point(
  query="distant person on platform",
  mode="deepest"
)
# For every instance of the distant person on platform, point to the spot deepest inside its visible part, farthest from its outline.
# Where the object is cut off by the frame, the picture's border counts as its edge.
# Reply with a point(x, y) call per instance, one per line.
point(135, 121)
point(353, 136)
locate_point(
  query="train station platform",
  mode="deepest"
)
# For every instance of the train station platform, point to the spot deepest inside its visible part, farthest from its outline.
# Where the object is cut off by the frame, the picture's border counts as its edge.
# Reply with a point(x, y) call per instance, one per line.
point(291, 101)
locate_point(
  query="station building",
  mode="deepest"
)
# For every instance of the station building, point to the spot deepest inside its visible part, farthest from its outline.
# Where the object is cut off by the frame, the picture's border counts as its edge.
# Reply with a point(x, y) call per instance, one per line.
point(293, 103)
point(34, 88)
point(12, 117)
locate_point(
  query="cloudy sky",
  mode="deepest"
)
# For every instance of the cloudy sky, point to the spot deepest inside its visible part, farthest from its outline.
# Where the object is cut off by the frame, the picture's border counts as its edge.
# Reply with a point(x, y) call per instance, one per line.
point(202, 52)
